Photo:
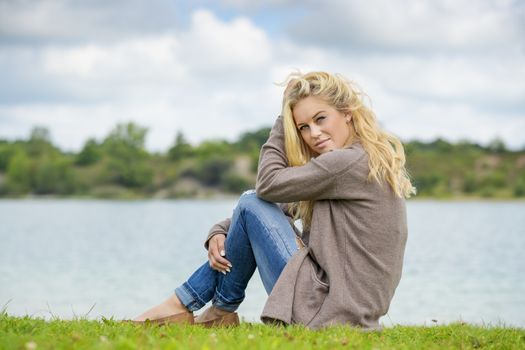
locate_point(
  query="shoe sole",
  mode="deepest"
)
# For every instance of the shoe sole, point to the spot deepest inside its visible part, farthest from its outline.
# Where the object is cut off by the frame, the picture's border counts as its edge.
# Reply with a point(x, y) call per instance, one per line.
point(184, 318)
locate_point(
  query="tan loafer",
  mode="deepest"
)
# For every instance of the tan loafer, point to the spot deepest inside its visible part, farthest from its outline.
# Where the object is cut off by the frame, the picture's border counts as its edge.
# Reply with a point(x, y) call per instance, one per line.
point(180, 318)
point(214, 317)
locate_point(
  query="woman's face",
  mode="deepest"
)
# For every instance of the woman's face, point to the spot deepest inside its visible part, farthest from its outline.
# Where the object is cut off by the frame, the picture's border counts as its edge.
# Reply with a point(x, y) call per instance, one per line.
point(322, 127)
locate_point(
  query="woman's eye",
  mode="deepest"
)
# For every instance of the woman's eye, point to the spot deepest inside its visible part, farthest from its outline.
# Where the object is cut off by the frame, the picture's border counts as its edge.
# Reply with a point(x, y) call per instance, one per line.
point(320, 118)
point(303, 127)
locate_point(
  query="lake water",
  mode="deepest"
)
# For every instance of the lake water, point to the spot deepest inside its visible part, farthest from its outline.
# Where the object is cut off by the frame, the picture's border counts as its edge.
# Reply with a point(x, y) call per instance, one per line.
point(464, 260)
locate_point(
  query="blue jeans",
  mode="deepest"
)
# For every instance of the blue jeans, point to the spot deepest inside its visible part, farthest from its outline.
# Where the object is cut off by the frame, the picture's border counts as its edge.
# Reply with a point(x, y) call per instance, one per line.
point(261, 236)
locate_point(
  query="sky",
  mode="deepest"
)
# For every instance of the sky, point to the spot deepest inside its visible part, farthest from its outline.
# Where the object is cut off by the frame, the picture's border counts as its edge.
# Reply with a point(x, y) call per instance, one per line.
point(453, 69)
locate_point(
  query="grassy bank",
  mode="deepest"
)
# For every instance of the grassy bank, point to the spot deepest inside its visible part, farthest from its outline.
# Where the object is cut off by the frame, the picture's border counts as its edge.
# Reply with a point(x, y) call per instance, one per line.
point(31, 333)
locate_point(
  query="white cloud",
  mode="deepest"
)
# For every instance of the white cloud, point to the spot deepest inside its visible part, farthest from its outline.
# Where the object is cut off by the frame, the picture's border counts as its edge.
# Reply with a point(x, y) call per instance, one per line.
point(455, 120)
point(212, 45)
point(479, 81)
point(251, 5)
point(136, 60)
point(413, 25)
point(69, 21)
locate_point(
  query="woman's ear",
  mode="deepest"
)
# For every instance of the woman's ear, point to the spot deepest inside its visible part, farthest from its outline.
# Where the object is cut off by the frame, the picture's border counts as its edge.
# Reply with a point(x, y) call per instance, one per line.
point(348, 118)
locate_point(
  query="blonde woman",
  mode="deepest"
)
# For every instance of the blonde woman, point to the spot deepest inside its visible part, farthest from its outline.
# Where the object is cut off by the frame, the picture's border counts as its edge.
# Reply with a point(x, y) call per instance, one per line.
point(329, 164)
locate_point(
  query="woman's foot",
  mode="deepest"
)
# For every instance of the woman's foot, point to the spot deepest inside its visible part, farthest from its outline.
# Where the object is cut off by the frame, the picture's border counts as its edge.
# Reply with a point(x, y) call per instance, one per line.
point(171, 310)
point(215, 317)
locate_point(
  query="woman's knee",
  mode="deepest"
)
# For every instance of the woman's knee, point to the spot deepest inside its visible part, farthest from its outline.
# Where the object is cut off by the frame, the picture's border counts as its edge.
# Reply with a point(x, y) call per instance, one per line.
point(249, 200)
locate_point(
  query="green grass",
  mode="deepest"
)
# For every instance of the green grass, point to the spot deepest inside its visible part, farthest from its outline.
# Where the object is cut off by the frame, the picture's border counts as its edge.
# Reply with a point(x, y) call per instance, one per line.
point(35, 333)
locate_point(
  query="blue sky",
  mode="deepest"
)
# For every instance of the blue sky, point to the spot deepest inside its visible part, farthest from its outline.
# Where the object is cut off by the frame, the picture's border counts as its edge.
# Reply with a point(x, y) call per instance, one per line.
point(441, 68)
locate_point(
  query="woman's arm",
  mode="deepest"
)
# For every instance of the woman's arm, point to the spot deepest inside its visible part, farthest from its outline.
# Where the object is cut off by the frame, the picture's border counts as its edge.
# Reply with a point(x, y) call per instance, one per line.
point(277, 182)
point(221, 227)
point(215, 246)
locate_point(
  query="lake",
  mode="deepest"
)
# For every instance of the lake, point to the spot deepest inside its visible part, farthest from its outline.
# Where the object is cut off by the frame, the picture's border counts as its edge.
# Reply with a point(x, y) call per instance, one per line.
point(93, 258)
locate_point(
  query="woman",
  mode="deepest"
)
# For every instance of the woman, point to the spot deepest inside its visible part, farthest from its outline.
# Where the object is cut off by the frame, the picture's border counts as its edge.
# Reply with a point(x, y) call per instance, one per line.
point(329, 164)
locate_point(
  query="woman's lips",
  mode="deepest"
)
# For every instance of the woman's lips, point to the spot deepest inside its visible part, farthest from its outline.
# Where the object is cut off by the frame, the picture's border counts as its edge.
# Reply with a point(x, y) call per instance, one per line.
point(322, 143)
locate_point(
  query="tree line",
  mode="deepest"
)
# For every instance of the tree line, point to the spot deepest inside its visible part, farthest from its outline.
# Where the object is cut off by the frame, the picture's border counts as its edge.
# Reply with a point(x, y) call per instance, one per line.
point(119, 166)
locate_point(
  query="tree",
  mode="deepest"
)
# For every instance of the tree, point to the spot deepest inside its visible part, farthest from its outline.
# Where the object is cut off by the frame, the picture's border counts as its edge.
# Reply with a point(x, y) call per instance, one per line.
point(40, 134)
point(181, 149)
point(213, 148)
point(7, 151)
point(90, 153)
point(441, 145)
point(39, 142)
point(212, 170)
point(127, 157)
point(53, 175)
point(126, 139)
point(19, 174)
point(519, 187)
point(250, 141)
point(497, 146)
point(234, 183)
point(430, 184)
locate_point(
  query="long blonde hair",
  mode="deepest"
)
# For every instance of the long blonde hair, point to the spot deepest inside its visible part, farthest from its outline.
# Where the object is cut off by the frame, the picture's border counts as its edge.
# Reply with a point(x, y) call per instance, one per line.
point(386, 156)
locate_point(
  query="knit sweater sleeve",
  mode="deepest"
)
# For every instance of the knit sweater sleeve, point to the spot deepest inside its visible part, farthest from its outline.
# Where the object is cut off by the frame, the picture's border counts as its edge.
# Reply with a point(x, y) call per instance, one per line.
point(221, 227)
point(316, 180)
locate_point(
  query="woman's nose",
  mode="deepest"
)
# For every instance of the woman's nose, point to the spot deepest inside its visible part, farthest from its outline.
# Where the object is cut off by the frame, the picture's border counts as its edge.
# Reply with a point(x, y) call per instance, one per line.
point(315, 131)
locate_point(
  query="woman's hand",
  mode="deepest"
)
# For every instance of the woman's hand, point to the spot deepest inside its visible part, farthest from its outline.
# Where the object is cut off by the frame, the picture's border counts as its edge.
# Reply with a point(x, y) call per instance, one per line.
point(216, 253)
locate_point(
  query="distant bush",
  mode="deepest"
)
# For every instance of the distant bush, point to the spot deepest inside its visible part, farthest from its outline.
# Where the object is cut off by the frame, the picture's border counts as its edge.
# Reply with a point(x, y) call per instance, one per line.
point(426, 184)
point(126, 164)
point(181, 149)
point(53, 175)
point(6, 152)
point(519, 187)
point(19, 174)
point(236, 184)
point(90, 154)
point(212, 170)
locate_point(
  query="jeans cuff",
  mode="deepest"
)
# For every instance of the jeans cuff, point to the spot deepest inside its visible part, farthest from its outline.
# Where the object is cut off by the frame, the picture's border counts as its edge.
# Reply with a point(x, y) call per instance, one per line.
point(220, 302)
point(188, 297)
